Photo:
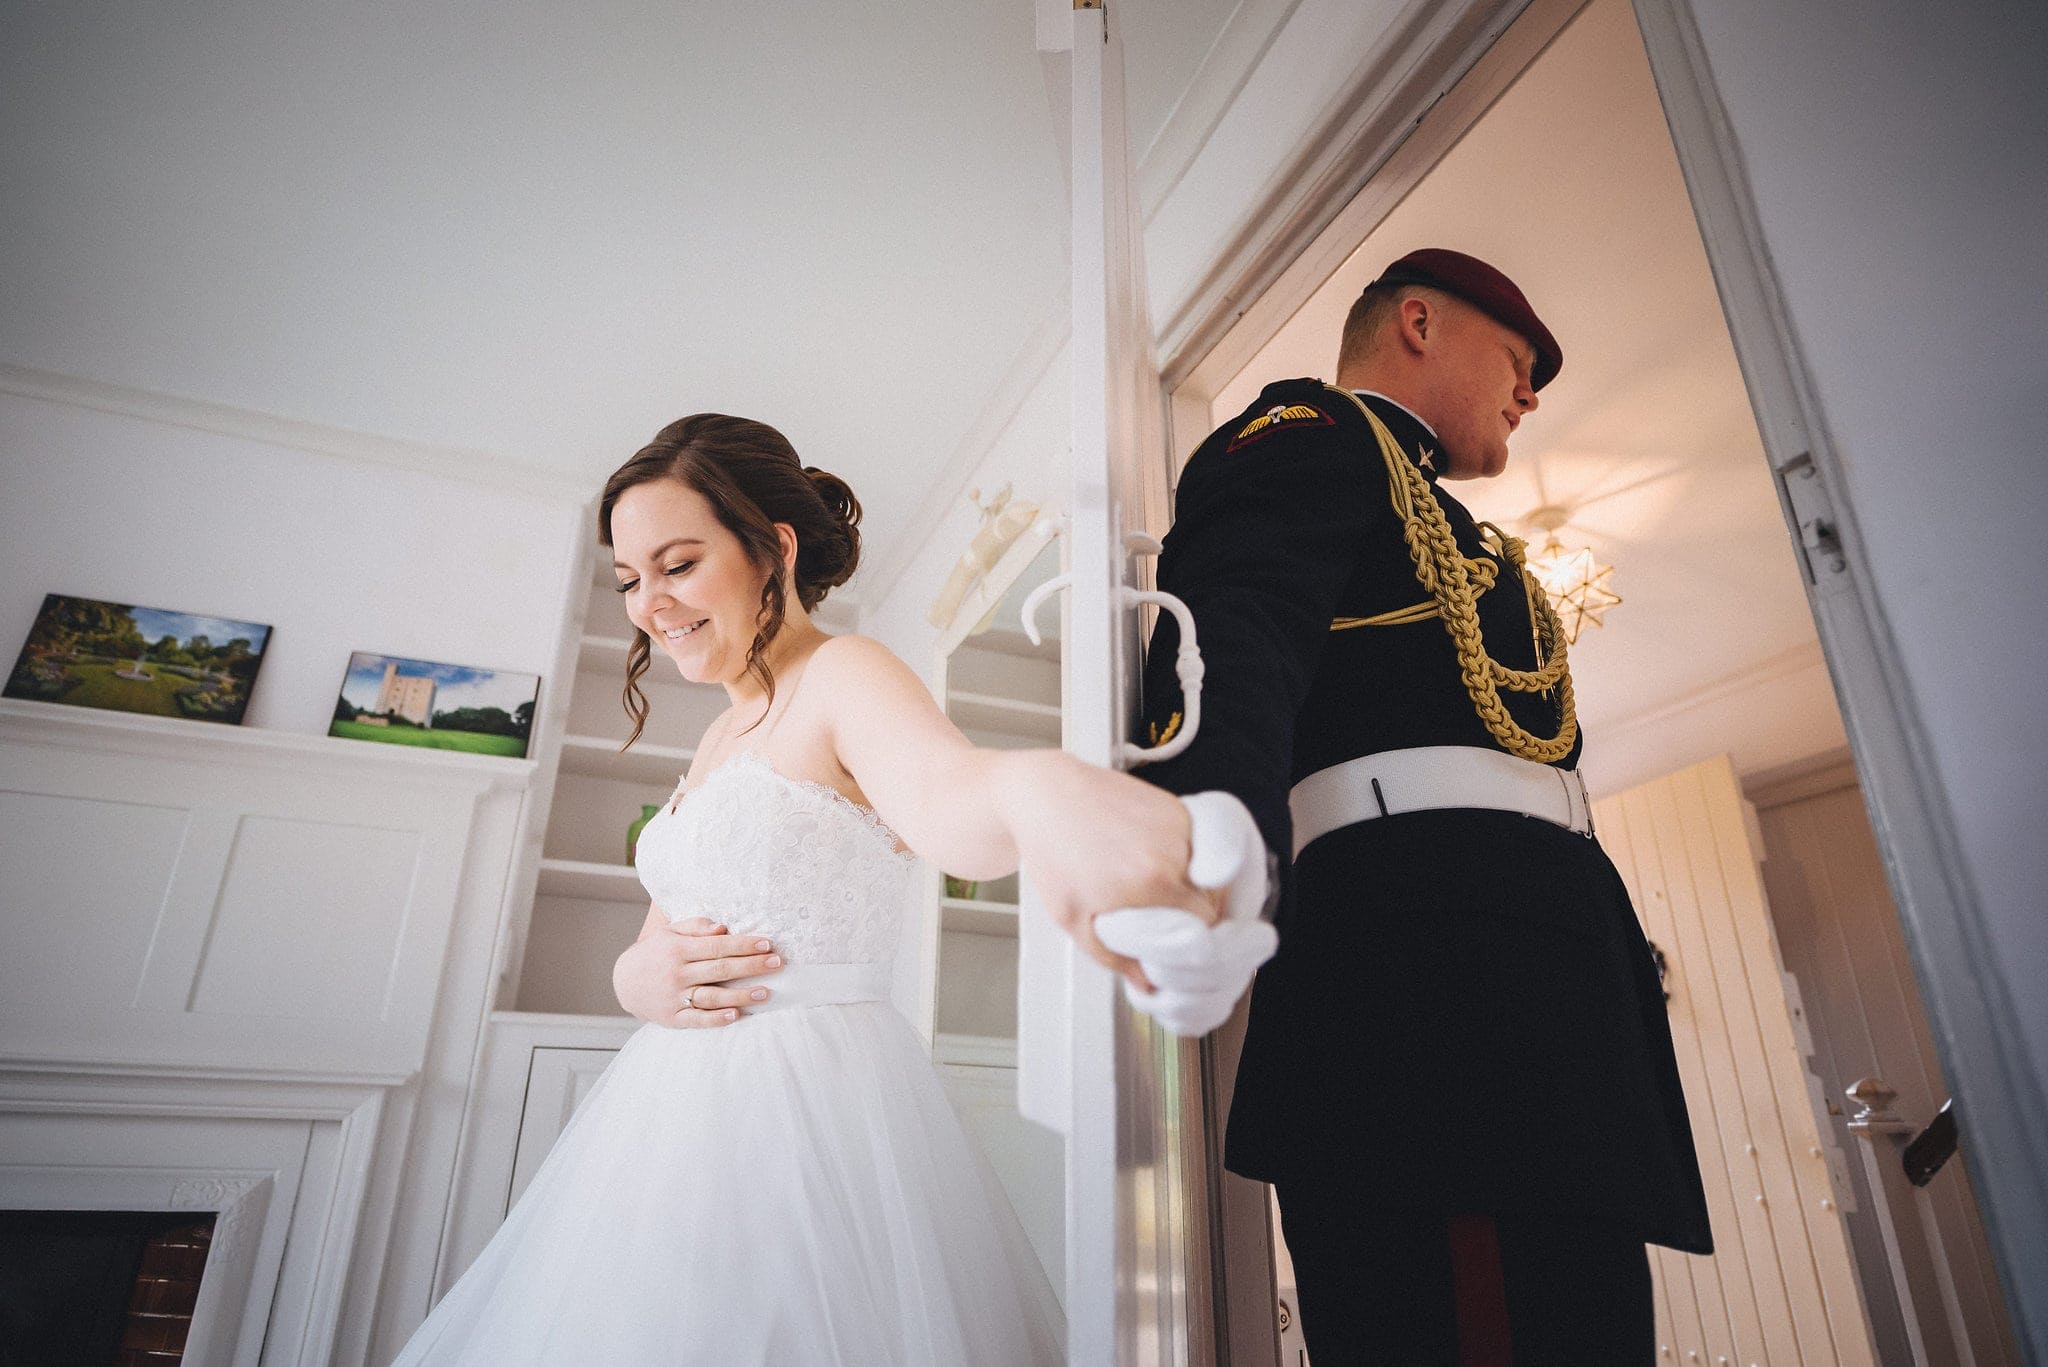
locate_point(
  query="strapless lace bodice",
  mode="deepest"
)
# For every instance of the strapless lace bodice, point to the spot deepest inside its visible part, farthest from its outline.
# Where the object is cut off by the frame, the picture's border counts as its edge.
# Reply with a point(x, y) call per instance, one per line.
point(779, 857)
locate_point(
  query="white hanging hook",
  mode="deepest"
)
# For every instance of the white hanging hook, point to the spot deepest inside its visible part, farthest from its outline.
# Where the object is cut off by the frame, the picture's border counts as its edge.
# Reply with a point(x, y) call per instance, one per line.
point(1187, 666)
point(1029, 612)
point(1187, 661)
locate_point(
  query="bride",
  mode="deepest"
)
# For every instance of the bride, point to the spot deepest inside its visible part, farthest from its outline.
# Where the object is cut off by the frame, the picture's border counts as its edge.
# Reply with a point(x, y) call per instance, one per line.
point(769, 1172)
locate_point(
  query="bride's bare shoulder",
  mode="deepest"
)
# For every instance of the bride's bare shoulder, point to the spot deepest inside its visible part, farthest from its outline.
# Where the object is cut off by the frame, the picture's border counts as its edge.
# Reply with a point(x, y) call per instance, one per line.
point(851, 659)
point(865, 682)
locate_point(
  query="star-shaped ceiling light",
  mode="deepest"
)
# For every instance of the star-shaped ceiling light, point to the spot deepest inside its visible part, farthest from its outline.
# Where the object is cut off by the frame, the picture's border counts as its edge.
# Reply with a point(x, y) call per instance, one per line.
point(1579, 587)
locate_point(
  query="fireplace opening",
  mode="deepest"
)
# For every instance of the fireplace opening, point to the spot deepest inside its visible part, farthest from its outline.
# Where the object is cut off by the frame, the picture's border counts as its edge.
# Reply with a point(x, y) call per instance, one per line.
point(82, 1288)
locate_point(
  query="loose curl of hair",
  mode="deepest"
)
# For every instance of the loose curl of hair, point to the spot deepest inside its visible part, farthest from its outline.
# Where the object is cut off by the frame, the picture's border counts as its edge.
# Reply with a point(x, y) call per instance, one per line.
point(752, 478)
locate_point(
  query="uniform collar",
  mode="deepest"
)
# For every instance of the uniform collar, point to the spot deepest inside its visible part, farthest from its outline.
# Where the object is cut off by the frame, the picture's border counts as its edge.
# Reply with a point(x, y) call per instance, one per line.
point(1418, 440)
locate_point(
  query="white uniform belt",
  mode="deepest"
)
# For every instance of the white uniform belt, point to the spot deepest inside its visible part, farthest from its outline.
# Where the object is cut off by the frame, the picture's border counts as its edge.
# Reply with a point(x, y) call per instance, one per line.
point(820, 985)
point(1430, 777)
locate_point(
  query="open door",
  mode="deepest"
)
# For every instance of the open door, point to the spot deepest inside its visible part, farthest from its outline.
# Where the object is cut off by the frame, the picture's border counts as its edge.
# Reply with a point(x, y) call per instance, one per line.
point(1781, 1286)
point(1125, 1094)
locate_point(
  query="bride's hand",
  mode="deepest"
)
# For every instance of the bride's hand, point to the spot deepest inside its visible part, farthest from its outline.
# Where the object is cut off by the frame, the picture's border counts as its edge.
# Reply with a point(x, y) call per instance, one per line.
point(694, 957)
point(1093, 840)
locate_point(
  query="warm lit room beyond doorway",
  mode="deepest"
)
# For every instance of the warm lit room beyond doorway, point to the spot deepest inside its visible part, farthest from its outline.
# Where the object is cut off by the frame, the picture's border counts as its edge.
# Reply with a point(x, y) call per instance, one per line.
point(1714, 750)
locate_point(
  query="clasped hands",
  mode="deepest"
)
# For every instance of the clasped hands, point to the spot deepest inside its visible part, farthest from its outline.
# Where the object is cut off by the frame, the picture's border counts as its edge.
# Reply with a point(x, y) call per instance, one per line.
point(1187, 949)
point(1197, 970)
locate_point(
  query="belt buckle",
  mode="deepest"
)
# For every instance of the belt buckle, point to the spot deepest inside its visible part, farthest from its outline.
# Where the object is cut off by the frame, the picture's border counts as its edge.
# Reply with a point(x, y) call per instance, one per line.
point(1575, 787)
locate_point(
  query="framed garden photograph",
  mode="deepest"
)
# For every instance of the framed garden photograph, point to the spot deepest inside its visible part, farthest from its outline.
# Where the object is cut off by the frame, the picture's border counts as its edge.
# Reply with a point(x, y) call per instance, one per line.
point(87, 653)
point(441, 706)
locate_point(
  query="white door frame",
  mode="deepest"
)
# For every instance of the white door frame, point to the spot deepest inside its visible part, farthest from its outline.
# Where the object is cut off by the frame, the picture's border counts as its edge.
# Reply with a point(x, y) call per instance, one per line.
point(1976, 1024)
point(1449, 63)
point(1125, 1094)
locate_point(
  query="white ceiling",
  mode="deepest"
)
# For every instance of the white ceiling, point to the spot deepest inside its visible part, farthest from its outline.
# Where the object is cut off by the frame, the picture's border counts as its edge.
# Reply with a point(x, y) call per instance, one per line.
point(539, 231)
point(1570, 185)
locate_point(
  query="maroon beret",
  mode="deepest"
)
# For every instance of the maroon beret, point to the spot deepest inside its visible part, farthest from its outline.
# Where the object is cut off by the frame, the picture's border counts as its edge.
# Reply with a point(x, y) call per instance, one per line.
point(1480, 284)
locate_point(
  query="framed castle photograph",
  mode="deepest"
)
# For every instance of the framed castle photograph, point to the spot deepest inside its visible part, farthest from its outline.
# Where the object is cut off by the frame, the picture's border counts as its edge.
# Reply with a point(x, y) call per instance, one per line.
point(88, 653)
point(444, 707)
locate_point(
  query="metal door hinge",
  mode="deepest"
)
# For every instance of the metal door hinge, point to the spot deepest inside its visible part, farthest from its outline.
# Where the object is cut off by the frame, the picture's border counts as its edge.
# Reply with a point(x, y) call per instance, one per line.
point(1813, 515)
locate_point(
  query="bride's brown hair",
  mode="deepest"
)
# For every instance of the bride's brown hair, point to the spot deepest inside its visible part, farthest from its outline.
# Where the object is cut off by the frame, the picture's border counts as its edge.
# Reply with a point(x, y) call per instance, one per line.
point(752, 478)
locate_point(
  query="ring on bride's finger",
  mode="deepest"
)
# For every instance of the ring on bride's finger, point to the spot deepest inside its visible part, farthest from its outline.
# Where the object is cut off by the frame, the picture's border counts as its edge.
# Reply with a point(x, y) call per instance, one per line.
point(688, 1004)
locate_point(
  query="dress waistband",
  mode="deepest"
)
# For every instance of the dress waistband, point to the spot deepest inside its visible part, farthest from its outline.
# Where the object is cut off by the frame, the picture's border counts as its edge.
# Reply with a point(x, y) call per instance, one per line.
point(822, 985)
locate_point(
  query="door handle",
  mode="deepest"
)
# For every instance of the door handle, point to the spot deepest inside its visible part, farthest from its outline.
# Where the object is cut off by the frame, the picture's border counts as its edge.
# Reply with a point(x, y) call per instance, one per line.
point(1187, 667)
point(1187, 662)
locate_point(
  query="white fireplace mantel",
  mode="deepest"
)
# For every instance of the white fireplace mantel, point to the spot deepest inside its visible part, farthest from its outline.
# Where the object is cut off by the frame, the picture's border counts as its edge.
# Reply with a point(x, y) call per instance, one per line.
point(221, 952)
point(88, 728)
point(190, 895)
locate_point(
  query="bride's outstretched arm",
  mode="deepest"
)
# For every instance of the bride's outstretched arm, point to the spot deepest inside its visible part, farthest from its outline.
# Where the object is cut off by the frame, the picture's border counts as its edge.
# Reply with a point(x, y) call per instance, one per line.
point(1093, 840)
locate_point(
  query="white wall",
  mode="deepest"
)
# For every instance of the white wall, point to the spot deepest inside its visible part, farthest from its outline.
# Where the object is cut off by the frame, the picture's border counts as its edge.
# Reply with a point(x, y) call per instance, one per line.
point(335, 554)
point(1895, 157)
point(543, 230)
point(1029, 453)
point(340, 543)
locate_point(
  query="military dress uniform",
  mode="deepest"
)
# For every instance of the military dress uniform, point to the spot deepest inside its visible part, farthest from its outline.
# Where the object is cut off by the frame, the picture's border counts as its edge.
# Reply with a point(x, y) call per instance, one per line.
point(1463, 1019)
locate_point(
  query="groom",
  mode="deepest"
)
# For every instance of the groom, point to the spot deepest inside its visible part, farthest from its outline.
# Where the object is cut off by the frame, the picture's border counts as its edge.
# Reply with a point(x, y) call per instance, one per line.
point(1457, 1072)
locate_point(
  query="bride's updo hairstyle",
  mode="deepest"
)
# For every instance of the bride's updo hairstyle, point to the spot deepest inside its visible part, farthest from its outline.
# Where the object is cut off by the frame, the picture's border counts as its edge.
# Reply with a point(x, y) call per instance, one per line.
point(752, 478)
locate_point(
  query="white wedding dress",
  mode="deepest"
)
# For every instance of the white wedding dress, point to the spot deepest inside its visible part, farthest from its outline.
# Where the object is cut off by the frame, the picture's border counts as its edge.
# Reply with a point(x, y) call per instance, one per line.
point(790, 1189)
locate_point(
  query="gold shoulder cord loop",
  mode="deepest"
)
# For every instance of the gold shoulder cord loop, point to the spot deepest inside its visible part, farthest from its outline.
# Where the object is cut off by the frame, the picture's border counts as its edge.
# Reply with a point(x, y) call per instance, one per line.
point(1483, 574)
point(1454, 584)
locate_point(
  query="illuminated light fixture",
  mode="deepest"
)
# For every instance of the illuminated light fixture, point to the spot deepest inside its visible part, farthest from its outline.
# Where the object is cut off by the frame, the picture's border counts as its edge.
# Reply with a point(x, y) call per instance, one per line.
point(1578, 586)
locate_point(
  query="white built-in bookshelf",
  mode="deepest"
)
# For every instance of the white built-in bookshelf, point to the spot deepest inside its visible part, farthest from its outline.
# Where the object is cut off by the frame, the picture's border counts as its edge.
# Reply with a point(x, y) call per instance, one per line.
point(587, 900)
point(1004, 692)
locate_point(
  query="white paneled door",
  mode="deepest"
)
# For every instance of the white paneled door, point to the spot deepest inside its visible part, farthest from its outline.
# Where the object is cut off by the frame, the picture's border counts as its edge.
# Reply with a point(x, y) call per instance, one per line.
point(1781, 1288)
point(1125, 1095)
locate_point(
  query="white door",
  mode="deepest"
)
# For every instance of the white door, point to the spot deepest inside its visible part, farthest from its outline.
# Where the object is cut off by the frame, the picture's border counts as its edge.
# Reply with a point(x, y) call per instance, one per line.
point(1781, 1287)
point(1840, 935)
point(1126, 1096)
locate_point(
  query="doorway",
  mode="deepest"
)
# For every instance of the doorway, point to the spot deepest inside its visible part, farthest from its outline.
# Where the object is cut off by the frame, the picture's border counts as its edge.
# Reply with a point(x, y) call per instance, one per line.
point(1646, 453)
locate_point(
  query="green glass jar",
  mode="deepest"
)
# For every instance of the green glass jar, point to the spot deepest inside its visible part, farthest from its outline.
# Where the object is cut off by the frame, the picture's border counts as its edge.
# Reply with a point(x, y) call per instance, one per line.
point(647, 813)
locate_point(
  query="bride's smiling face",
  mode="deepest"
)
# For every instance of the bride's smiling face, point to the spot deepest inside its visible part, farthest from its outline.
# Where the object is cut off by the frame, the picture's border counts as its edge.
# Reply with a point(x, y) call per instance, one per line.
point(686, 579)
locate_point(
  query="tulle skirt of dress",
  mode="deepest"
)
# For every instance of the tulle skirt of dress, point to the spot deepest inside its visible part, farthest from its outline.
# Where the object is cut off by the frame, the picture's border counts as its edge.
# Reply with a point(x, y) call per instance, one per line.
point(792, 1189)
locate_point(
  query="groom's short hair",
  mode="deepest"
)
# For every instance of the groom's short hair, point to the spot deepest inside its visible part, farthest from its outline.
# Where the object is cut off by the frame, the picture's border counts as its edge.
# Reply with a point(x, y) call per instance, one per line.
point(1374, 311)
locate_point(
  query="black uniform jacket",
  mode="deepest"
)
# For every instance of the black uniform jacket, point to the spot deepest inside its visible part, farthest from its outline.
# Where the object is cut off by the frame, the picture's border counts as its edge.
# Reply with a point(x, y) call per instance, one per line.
point(1463, 1014)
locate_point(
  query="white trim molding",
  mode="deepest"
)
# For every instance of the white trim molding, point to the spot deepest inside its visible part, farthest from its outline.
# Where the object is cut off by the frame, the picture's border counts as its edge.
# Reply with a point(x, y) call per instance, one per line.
point(85, 728)
point(295, 434)
point(1206, 99)
point(284, 1164)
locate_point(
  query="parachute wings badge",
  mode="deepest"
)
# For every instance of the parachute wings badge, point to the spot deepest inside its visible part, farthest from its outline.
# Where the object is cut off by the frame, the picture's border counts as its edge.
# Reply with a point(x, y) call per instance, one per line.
point(1279, 416)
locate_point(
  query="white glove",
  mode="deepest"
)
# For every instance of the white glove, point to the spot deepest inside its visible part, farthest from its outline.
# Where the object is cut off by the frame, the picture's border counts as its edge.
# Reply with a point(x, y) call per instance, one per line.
point(1198, 970)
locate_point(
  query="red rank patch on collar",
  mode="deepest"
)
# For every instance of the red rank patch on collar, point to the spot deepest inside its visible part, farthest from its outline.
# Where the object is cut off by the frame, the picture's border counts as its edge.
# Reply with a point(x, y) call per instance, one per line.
point(1277, 417)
